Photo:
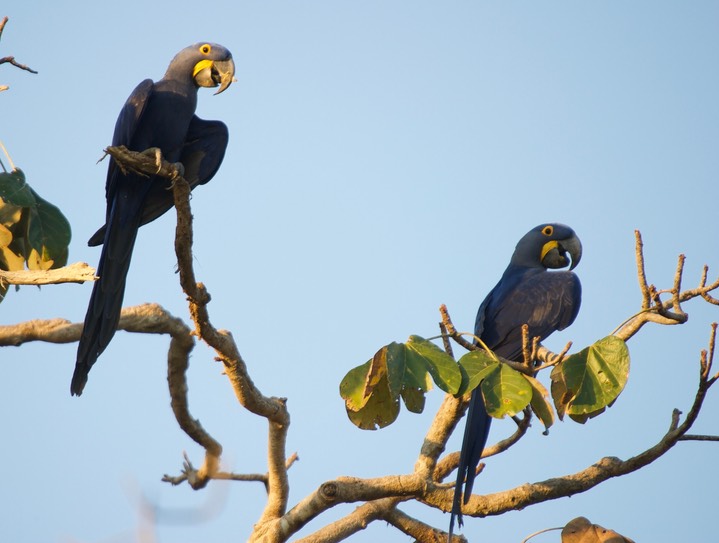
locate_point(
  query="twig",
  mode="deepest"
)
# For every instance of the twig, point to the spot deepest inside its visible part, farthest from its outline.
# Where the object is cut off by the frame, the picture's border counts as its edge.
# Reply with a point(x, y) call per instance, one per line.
point(544, 531)
point(526, 350)
point(639, 255)
point(703, 283)
point(656, 310)
point(445, 340)
point(11, 59)
point(258, 477)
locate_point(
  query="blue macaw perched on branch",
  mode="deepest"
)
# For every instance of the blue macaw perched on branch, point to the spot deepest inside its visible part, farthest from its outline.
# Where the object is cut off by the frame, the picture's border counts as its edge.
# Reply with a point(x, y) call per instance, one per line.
point(526, 294)
point(156, 115)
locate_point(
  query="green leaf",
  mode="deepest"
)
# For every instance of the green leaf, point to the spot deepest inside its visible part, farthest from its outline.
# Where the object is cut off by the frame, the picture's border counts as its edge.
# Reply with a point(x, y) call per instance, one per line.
point(366, 392)
point(475, 366)
point(35, 234)
point(380, 410)
point(589, 381)
point(413, 399)
point(352, 387)
point(14, 189)
point(540, 402)
point(373, 390)
point(48, 232)
point(440, 365)
point(505, 391)
point(560, 395)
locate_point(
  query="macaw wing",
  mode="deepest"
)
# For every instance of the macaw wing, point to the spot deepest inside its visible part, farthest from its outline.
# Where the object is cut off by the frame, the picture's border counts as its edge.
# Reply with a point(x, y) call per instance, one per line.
point(202, 155)
point(204, 150)
point(126, 125)
point(546, 301)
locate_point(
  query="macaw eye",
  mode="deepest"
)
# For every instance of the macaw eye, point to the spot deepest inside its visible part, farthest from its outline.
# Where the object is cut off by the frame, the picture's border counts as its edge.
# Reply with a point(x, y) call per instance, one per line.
point(205, 49)
point(548, 230)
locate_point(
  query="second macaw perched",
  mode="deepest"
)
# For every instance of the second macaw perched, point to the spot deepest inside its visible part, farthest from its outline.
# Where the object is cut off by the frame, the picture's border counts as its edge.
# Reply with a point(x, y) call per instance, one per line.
point(156, 115)
point(528, 294)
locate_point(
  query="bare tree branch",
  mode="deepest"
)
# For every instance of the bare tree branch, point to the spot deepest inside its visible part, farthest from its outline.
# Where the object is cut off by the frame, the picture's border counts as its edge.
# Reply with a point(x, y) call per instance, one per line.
point(273, 409)
point(604, 469)
point(145, 319)
point(656, 310)
point(417, 529)
point(79, 272)
point(11, 59)
point(379, 497)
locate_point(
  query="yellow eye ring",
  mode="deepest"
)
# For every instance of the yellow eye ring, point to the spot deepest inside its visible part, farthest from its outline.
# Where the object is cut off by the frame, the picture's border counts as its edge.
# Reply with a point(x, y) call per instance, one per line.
point(548, 230)
point(205, 49)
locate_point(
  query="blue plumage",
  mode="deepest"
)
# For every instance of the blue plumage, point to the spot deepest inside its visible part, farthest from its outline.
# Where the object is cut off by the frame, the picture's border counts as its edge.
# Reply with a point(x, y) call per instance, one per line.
point(528, 294)
point(160, 115)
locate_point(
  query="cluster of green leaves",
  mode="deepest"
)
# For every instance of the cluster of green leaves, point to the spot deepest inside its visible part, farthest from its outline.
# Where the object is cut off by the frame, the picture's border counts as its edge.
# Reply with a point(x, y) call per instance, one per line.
point(34, 234)
point(583, 384)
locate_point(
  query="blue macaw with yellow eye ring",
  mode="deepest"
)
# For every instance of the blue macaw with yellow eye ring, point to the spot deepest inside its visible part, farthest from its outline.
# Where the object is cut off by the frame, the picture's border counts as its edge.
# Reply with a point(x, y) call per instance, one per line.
point(528, 294)
point(156, 115)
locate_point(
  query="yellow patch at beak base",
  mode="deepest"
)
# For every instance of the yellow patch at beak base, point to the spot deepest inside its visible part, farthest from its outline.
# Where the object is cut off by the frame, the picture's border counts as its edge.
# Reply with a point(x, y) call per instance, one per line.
point(205, 63)
point(548, 247)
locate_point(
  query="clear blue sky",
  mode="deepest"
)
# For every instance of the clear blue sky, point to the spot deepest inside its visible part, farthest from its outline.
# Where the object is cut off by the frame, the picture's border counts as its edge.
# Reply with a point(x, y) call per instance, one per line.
point(385, 157)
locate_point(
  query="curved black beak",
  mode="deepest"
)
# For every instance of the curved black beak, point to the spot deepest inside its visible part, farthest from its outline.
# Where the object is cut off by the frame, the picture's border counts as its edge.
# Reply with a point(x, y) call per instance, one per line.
point(223, 74)
point(557, 258)
point(574, 247)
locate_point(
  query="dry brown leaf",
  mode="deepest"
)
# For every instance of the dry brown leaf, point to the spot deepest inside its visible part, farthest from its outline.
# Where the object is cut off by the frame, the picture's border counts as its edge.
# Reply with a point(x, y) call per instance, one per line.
point(581, 530)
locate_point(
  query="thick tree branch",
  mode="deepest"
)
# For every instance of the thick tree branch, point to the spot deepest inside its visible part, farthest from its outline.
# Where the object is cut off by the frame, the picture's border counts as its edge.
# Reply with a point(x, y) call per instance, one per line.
point(379, 496)
point(604, 469)
point(356, 521)
point(145, 319)
point(177, 364)
point(417, 529)
point(273, 409)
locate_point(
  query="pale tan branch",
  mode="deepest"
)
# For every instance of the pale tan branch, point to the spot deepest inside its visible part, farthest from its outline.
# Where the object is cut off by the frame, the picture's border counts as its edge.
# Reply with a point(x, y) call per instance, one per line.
point(667, 312)
point(641, 274)
point(145, 318)
point(356, 521)
point(178, 362)
point(79, 272)
point(450, 462)
point(435, 441)
point(274, 409)
point(343, 490)
point(702, 284)
point(551, 489)
point(418, 529)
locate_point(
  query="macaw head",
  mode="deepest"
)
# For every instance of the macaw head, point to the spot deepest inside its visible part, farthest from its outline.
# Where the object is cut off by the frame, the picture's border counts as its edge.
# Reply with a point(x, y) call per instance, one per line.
point(550, 246)
point(210, 65)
